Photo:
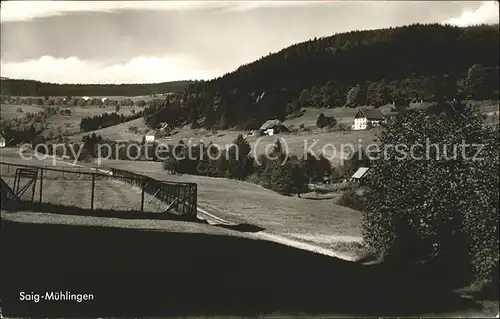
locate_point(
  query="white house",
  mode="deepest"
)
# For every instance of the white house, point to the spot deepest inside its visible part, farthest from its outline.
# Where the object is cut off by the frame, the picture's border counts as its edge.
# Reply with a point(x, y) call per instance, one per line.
point(149, 137)
point(367, 116)
point(86, 98)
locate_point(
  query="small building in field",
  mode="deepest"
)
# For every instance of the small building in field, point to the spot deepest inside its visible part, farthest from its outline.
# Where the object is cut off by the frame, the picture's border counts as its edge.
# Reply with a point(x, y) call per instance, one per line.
point(2, 140)
point(366, 117)
point(271, 127)
point(86, 98)
point(360, 174)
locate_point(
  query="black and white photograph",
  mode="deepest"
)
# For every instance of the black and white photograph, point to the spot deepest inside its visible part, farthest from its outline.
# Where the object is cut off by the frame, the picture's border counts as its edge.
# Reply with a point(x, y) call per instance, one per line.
point(242, 159)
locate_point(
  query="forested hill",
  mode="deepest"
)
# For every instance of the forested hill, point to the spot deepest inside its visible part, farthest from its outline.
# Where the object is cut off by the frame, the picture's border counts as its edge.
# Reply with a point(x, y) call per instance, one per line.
point(348, 69)
point(17, 87)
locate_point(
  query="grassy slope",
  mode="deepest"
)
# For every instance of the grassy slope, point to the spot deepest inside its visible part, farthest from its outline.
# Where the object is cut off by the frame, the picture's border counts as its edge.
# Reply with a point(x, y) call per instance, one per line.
point(9, 111)
point(117, 132)
point(328, 143)
point(246, 202)
point(295, 142)
point(71, 123)
point(319, 222)
point(112, 97)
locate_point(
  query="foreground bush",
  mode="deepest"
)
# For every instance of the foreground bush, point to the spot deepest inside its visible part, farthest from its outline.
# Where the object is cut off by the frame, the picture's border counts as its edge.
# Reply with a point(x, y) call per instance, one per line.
point(437, 210)
point(352, 200)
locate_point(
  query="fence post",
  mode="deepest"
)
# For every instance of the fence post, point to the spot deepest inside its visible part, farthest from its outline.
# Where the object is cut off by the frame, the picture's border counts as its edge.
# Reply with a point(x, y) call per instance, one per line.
point(41, 185)
point(92, 196)
point(195, 200)
point(142, 195)
point(34, 188)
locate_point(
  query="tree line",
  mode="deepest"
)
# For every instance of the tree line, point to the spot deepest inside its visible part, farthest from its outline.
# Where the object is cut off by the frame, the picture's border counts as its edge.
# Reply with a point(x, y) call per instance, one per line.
point(70, 101)
point(97, 122)
point(24, 87)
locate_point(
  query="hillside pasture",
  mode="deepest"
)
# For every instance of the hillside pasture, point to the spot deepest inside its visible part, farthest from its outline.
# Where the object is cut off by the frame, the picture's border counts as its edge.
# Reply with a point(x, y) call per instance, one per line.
point(9, 111)
point(111, 97)
point(333, 144)
point(343, 115)
point(120, 132)
point(71, 123)
point(245, 202)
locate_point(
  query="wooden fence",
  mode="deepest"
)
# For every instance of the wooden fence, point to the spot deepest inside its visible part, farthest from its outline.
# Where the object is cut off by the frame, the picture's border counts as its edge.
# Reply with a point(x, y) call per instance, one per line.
point(181, 198)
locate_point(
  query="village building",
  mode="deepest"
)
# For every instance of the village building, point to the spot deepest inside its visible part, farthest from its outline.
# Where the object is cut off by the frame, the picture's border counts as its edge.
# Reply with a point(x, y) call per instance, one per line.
point(366, 117)
point(150, 137)
point(271, 127)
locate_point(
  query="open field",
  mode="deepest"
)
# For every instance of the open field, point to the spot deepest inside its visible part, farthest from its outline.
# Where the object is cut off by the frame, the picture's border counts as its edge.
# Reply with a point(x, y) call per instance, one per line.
point(332, 144)
point(240, 201)
point(70, 124)
point(111, 97)
point(117, 132)
point(243, 202)
point(9, 111)
point(135, 272)
point(329, 143)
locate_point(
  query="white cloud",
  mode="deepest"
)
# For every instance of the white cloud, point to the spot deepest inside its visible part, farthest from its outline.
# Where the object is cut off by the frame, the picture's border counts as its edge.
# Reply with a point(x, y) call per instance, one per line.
point(256, 4)
point(27, 10)
point(487, 13)
point(137, 70)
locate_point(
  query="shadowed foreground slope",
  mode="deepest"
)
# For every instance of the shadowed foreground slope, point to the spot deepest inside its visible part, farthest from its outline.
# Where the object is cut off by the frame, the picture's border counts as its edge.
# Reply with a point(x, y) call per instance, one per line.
point(136, 272)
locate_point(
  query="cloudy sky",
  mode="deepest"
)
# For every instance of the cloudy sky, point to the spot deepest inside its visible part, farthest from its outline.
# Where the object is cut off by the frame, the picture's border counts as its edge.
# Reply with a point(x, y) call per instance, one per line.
point(157, 41)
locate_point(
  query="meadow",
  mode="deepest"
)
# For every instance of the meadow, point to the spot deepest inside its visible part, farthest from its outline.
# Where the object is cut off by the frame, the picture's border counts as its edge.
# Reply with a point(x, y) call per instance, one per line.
point(67, 124)
point(71, 123)
point(322, 221)
point(10, 111)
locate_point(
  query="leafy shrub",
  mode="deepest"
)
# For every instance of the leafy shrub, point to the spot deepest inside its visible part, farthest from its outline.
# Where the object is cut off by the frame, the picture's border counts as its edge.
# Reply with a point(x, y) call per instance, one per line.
point(325, 121)
point(19, 110)
point(352, 200)
point(133, 129)
point(442, 210)
point(344, 127)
